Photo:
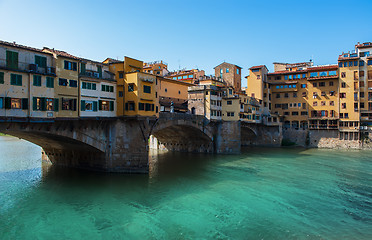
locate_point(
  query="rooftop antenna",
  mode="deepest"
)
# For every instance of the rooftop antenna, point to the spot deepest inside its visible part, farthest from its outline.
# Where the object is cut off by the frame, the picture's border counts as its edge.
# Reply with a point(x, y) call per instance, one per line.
point(179, 64)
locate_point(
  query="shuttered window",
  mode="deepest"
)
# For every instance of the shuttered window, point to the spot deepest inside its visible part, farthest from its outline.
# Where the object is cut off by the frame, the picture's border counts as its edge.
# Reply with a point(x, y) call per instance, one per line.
point(37, 80)
point(1, 78)
point(40, 61)
point(16, 79)
point(49, 82)
point(11, 59)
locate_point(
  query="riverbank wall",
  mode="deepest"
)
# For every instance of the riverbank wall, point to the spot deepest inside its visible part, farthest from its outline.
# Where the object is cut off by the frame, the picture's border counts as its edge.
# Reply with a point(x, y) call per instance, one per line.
point(326, 139)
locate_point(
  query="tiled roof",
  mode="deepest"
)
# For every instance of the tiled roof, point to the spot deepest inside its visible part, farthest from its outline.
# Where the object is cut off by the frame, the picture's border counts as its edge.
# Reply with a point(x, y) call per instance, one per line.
point(255, 67)
point(287, 72)
point(61, 53)
point(329, 67)
point(13, 44)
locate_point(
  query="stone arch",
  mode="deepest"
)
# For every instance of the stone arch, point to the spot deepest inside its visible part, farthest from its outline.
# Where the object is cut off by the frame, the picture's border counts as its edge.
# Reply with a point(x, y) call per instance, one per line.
point(183, 136)
point(249, 136)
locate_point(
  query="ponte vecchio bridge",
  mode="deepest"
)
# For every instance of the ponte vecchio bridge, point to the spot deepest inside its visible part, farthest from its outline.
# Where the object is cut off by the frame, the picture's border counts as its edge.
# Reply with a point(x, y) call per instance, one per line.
point(121, 144)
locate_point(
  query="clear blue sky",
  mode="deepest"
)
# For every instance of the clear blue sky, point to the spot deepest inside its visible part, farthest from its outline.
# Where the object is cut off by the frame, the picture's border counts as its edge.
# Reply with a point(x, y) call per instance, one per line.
point(191, 34)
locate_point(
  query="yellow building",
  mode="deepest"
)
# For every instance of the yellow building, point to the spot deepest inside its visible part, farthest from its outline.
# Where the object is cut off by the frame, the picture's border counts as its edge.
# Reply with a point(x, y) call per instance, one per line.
point(205, 100)
point(230, 105)
point(66, 88)
point(158, 68)
point(173, 93)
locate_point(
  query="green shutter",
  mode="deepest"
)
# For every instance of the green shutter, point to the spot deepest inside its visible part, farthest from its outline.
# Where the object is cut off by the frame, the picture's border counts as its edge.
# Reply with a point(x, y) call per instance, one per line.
point(43, 62)
point(111, 106)
point(13, 79)
point(37, 80)
point(82, 68)
point(1, 78)
point(100, 104)
point(84, 85)
point(43, 103)
point(111, 89)
point(95, 106)
point(56, 104)
point(19, 80)
point(99, 68)
point(34, 103)
point(24, 103)
point(103, 87)
point(82, 105)
point(94, 86)
point(8, 103)
point(11, 59)
point(50, 82)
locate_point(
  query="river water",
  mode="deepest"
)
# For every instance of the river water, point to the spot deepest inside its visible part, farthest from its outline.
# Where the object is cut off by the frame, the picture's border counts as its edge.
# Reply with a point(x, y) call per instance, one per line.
point(288, 193)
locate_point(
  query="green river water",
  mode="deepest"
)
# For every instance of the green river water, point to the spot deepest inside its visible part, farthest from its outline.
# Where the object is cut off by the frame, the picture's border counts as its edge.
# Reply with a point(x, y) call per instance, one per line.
point(264, 193)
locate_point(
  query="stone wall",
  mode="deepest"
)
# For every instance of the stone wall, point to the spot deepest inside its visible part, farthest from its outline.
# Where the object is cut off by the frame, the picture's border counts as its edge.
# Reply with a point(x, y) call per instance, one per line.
point(227, 139)
point(323, 139)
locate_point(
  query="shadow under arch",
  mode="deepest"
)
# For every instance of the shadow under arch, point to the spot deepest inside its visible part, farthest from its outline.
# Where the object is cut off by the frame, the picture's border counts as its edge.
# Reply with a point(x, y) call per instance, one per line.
point(62, 150)
point(184, 138)
point(248, 136)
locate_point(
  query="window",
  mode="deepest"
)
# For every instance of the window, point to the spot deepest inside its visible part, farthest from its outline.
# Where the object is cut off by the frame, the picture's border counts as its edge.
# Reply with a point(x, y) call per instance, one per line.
point(73, 83)
point(315, 94)
point(258, 76)
point(369, 62)
point(37, 80)
point(227, 70)
point(146, 89)
point(141, 106)
point(322, 74)
point(70, 65)
point(286, 95)
point(191, 76)
point(343, 105)
point(323, 93)
point(361, 94)
point(294, 95)
point(315, 84)
point(361, 63)
point(129, 106)
point(62, 82)
point(278, 95)
point(361, 74)
point(184, 77)
point(315, 103)
point(237, 71)
point(303, 85)
point(294, 113)
point(346, 115)
point(342, 95)
point(322, 103)
point(16, 103)
point(340, 64)
point(121, 94)
point(40, 61)
point(16, 79)
point(131, 87)
point(49, 82)
point(179, 78)
point(331, 93)
point(369, 75)
point(149, 107)
point(322, 84)
point(1, 78)
point(343, 75)
point(229, 102)
point(108, 105)
point(230, 114)
point(89, 106)
point(304, 94)
point(332, 73)
point(331, 84)
point(313, 74)
point(11, 59)
point(278, 78)
point(362, 105)
point(304, 106)
point(343, 85)
point(303, 113)
point(121, 75)
point(49, 104)
point(331, 103)
point(1, 103)
point(68, 104)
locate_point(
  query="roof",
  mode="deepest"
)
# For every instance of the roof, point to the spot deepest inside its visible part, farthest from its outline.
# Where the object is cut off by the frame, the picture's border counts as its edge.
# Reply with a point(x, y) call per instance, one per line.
point(287, 72)
point(61, 53)
point(255, 67)
point(111, 60)
point(226, 63)
point(175, 81)
point(364, 45)
point(327, 67)
point(13, 44)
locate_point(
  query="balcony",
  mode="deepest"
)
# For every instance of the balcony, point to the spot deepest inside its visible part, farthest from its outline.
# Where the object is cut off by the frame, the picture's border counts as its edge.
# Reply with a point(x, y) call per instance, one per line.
point(92, 74)
point(29, 68)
